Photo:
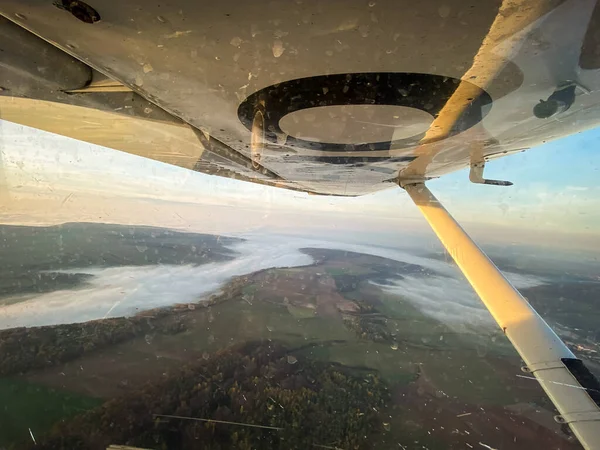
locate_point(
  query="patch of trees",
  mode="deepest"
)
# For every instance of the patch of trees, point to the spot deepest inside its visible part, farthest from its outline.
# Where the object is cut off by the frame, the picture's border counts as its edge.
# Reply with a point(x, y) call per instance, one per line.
point(268, 399)
point(24, 349)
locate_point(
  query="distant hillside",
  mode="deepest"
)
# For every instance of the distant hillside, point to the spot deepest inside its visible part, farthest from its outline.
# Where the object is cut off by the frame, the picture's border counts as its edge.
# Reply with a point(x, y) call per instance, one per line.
point(28, 255)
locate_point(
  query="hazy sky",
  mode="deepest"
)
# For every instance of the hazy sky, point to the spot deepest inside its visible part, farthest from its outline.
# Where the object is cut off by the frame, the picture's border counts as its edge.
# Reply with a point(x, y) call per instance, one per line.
point(53, 179)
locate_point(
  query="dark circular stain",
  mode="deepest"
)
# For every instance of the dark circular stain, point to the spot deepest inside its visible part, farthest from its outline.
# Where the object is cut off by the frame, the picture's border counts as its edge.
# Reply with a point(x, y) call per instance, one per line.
point(414, 90)
point(80, 10)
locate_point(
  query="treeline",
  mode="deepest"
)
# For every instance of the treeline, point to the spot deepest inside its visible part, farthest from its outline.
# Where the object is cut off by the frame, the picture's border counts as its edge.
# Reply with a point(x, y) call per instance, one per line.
point(269, 400)
point(24, 349)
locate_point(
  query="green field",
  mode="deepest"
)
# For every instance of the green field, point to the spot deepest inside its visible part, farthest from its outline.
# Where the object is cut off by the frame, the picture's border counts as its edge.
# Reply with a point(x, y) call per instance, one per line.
point(27, 406)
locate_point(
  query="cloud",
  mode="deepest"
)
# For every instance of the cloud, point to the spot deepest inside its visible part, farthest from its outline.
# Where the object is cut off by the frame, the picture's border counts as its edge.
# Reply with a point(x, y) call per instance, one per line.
point(577, 188)
point(124, 291)
point(451, 300)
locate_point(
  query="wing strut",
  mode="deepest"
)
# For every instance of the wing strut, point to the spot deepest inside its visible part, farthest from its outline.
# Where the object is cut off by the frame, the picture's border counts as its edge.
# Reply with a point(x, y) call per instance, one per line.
point(572, 388)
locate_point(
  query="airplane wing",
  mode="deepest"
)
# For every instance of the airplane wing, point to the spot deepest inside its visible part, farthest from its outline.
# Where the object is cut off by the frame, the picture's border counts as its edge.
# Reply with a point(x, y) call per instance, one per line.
point(350, 97)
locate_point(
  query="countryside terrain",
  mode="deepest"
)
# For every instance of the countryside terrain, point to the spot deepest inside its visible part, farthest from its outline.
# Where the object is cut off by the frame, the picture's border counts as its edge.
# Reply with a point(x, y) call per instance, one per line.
point(321, 355)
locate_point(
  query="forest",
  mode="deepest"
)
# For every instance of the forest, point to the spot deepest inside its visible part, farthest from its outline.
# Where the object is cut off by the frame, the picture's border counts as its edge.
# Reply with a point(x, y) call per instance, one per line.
point(246, 397)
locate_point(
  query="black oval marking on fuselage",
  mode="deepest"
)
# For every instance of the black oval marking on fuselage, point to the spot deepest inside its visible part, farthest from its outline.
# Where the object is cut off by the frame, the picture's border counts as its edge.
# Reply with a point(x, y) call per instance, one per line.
point(414, 90)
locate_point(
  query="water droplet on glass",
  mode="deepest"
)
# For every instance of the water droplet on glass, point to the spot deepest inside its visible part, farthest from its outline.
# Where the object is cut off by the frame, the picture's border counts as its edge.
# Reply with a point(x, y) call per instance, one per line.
point(444, 11)
point(278, 48)
point(371, 4)
point(205, 356)
point(386, 426)
point(364, 30)
point(148, 338)
point(292, 359)
point(236, 41)
point(395, 346)
point(281, 138)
